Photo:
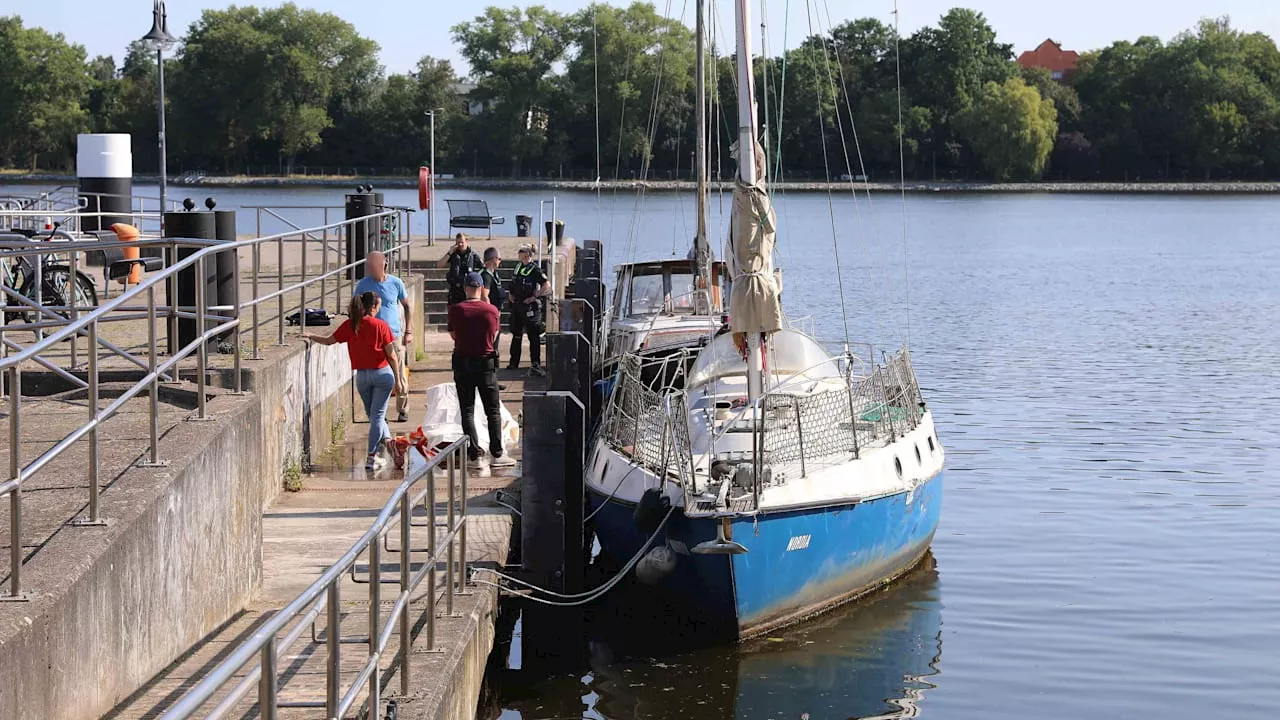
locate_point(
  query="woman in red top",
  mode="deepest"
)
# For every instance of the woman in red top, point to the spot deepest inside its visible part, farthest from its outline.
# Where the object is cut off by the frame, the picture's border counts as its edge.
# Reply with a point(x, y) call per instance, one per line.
point(370, 345)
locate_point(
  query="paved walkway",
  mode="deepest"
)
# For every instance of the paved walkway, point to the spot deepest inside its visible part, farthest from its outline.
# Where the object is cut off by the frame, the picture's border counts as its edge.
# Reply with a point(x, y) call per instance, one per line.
point(306, 531)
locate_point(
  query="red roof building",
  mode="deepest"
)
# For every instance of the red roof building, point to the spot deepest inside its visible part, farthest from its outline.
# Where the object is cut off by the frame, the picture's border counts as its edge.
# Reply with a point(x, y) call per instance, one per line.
point(1060, 63)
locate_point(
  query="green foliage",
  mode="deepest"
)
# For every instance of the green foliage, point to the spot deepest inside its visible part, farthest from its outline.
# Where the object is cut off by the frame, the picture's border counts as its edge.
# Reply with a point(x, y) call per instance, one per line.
point(1011, 129)
point(43, 82)
point(610, 87)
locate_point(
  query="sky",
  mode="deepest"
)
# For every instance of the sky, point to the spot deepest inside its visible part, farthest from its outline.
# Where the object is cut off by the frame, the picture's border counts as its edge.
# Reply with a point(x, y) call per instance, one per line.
point(408, 29)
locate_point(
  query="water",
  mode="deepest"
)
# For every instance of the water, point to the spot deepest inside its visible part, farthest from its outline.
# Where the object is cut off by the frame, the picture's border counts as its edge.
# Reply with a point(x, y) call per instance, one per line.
point(1103, 374)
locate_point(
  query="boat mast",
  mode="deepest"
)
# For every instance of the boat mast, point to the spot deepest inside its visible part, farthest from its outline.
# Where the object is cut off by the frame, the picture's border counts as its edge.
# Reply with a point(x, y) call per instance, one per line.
point(748, 173)
point(701, 248)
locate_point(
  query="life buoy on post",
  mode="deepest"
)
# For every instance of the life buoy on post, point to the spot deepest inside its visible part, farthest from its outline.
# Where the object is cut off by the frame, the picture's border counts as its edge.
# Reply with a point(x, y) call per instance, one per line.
point(424, 188)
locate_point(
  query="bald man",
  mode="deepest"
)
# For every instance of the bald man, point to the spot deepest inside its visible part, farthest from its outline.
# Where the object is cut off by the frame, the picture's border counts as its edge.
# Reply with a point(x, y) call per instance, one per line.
point(394, 298)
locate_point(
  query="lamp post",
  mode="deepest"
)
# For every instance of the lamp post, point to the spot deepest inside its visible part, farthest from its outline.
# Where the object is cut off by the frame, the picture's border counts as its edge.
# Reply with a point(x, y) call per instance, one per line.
point(431, 181)
point(159, 40)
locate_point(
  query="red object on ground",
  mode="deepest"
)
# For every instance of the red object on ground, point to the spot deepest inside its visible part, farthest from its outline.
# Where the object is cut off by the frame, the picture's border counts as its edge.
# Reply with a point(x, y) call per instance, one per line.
point(424, 188)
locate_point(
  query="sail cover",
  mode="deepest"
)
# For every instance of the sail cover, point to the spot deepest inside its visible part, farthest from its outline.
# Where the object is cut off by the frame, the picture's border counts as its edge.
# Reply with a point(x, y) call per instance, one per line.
point(754, 302)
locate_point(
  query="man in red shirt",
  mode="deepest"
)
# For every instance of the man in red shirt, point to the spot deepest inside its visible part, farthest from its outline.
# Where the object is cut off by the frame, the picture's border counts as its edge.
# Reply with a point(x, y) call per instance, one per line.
point(473, 325)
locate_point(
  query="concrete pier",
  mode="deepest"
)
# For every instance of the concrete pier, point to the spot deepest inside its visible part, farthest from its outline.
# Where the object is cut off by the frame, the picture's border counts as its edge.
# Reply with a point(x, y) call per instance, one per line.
point(306, 531)
point(124, 617)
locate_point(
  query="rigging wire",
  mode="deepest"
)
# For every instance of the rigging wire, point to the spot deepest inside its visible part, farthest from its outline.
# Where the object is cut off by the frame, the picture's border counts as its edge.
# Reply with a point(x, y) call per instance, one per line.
point(902, 174)
point(831, 211)
point(595, 63)
point(875, 236)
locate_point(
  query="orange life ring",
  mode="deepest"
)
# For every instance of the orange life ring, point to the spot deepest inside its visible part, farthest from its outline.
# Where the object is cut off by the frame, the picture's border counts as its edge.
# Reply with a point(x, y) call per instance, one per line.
point(424, 188)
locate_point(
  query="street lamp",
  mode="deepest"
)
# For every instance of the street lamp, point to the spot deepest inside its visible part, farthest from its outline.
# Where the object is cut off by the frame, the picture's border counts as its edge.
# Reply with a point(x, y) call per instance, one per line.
point(431, 181)
point(159, 40)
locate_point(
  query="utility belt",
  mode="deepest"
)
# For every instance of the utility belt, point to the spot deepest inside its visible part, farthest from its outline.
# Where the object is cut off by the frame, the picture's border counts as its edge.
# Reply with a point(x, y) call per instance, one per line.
point(475, 364)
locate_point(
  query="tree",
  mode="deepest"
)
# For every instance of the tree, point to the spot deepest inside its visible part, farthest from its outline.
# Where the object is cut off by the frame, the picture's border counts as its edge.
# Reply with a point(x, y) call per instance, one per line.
point(261, 83)
point(512, 53)
point(43, 83)
point(1011, 129)
point(945, 68)
point(1064, 97)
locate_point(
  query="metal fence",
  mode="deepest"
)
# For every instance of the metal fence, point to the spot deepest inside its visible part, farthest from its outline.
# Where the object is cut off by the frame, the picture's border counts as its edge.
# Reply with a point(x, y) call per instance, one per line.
point(324, 596)
point(74, 325)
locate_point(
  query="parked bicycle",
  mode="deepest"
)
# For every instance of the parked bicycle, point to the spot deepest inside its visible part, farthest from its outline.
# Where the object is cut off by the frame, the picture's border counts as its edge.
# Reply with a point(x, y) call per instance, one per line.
point(19, 274)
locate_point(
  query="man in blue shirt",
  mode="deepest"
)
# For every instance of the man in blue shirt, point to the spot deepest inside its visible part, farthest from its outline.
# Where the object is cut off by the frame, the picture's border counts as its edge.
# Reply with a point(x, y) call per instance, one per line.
point(394, 297)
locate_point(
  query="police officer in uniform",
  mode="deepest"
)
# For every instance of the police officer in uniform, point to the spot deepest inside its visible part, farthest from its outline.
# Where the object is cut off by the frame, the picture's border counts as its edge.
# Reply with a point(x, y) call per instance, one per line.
point(527, 288)
point(460, 260)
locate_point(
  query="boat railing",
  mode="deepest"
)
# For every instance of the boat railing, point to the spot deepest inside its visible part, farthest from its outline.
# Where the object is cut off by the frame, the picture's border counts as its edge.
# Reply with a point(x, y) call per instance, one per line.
point(797, 432)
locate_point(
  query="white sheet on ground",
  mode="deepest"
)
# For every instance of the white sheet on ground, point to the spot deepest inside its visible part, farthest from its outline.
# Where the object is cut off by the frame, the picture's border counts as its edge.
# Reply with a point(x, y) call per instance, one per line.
point(443, 419)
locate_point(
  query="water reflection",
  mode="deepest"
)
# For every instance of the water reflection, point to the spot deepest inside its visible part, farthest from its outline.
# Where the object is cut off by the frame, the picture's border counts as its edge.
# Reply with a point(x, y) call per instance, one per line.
point(875, 659)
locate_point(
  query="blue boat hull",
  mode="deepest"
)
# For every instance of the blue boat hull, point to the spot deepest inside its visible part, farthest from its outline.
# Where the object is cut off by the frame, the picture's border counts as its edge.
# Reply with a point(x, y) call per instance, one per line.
point(799, 562)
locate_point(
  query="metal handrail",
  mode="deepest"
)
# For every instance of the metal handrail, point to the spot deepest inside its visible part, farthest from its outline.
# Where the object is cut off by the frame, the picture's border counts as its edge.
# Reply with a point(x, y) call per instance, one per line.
point(172, 270)
point(204, 313)
point(324, 590)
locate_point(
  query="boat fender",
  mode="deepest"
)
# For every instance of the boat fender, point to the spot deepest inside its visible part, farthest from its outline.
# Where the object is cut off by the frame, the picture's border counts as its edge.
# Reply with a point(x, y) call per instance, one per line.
point(655, 565)
point(653, 506)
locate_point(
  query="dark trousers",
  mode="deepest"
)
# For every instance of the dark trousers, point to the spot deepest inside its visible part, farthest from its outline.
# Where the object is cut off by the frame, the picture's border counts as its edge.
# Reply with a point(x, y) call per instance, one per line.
point(469, 375)
point(521, 328)
point(456, 294)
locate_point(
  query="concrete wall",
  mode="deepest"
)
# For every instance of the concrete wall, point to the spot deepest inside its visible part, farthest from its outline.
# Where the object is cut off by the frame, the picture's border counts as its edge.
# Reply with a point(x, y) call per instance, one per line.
point(182, 553)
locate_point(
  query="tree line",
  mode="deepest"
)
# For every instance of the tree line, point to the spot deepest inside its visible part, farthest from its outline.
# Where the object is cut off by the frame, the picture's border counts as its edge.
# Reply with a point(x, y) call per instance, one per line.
point(609, 92)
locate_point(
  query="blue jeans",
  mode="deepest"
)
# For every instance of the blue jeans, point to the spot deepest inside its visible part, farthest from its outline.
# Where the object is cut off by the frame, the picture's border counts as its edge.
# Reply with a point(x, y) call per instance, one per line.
point(375, 388)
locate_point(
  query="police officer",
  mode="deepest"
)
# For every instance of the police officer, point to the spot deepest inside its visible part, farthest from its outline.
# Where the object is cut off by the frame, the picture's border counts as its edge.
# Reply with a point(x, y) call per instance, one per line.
point(495, 292)
point(528, 286)
point(460, 260)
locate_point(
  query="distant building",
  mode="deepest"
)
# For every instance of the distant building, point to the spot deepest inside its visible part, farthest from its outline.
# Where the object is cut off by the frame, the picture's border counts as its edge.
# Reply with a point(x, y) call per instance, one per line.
point(1060, 63)
point(472, 107)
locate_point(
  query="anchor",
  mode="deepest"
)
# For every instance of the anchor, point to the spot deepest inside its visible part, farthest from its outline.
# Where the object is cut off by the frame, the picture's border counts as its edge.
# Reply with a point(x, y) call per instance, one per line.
point(723, 544)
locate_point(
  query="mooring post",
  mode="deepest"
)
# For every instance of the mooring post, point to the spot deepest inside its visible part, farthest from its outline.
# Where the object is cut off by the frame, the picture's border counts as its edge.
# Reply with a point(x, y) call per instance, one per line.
point(551, 527)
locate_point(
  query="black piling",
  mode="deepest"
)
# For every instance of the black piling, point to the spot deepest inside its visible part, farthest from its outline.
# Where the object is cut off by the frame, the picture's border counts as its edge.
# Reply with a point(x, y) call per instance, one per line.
point(193, 226)
point(360, 236)
point(554, 538)
point(227, 277)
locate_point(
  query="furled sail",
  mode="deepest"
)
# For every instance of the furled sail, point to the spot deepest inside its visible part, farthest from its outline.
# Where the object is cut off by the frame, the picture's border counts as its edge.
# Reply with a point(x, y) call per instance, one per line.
point(755, 304)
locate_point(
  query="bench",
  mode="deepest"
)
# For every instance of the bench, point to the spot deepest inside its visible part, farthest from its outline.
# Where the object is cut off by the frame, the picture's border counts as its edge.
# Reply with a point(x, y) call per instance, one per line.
point(114, 264)
point(472, 215)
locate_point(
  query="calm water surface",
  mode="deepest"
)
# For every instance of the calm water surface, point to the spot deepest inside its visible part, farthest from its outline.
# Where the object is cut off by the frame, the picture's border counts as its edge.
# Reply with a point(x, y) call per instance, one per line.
point(1104, 375)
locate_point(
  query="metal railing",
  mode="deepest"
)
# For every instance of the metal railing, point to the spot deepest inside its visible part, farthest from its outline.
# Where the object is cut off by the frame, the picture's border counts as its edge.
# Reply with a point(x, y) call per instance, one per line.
point(652, 426)
point(212, 319)
point(324, 595)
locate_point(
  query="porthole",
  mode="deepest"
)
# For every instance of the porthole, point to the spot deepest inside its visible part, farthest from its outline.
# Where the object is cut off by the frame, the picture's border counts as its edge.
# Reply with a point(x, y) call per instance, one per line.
point(919, 459)
point(897, 466)
point(931, 446)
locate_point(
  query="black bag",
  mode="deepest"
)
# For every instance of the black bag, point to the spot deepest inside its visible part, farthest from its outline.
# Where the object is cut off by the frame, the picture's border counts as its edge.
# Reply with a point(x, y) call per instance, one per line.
point(315, 316)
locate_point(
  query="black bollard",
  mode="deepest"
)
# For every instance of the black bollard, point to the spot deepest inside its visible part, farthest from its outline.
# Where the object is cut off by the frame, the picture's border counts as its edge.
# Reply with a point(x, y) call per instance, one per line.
point(226, 276)
point(360, 236)
point(104, 172)
point(195, 226)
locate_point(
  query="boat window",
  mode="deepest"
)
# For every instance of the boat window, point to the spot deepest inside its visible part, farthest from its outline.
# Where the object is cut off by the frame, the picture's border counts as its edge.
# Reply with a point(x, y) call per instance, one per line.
point(791, 352)
point(646, 296)
point(682, 297)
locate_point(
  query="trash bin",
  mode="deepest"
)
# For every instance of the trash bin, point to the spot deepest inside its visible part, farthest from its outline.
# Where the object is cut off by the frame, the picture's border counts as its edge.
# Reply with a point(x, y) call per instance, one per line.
point(524, 223)
point(559, 235)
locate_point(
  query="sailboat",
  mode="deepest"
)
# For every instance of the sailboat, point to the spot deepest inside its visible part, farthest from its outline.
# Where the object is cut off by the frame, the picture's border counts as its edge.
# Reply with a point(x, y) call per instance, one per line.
point(773, 479)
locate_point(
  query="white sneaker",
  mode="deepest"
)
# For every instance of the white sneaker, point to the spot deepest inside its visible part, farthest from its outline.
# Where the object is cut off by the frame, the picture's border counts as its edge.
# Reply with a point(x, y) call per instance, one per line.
point(477, 464)
point(375, 462)
point(502, 461)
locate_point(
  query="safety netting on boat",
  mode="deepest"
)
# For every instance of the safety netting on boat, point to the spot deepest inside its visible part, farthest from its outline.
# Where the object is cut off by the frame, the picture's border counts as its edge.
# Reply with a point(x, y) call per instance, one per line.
point(649, 426)
point(807, 429)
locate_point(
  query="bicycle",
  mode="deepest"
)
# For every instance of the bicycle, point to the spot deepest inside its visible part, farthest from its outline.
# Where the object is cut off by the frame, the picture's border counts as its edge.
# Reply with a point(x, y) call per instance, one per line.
point(55, 281)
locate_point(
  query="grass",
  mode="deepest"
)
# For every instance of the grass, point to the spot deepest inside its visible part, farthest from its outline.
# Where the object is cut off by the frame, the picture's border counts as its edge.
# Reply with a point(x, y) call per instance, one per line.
point(292, 474)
